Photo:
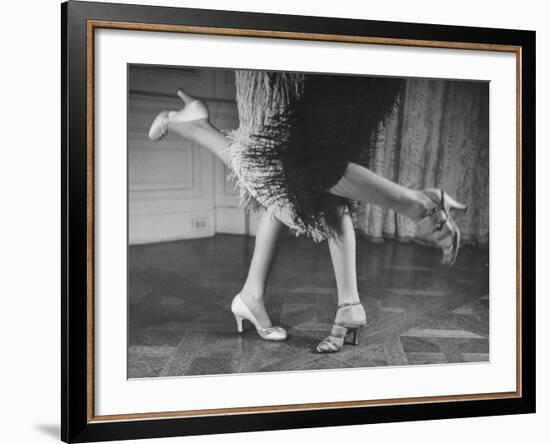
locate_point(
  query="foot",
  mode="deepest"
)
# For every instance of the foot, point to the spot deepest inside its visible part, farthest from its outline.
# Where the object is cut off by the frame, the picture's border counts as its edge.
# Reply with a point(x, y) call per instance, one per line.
point(438, 226)
point(419, 204)
point(193, 113)
point(257, 307)
point(242, 311)
point(350, 318)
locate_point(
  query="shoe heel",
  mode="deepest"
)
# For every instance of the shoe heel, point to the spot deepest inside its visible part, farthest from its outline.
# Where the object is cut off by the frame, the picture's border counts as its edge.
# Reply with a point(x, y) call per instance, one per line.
point(455, 205)
point(186, 98)
point(239, 322)
point(355, 335)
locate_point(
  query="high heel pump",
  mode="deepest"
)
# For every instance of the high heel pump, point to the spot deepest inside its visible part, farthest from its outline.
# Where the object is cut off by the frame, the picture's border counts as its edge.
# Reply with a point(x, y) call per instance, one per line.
point(437, 224)
point(194, 110)
point(241, 312)
point(349, 323)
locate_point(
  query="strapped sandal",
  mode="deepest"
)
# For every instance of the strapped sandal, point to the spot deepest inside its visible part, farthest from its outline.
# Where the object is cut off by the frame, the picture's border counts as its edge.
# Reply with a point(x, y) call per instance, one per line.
point(341, 331)
point(438, 226)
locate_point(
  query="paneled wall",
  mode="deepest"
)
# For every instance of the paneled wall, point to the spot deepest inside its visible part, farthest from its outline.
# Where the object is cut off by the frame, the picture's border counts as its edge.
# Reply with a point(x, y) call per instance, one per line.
point(177, 190)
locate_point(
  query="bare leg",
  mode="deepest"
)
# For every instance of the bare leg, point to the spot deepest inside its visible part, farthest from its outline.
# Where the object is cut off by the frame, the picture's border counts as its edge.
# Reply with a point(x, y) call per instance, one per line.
point(342, 252)
point(351, 312)
point(205, 134)
point(253, 289)
point(360, 183)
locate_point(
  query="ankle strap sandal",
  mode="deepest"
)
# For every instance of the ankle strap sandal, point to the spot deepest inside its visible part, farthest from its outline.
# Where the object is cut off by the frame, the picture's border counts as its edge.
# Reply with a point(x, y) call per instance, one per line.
point(438, 226)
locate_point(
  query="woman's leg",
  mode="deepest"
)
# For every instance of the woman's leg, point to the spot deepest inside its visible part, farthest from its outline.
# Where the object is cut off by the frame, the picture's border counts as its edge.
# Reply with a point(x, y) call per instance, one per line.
point(205, 134)
point(350, 311)
point(253, 289)
point(429, 208)
point(361, 184)
point(342, 253)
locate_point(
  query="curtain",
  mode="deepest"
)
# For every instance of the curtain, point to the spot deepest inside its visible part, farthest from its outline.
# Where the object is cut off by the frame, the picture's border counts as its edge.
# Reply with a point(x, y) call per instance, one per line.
point(439, 137)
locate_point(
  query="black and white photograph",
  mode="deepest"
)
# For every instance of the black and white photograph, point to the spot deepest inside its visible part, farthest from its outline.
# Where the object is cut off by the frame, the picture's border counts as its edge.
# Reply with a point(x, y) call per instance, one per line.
point(275, 222)
point(292, 221)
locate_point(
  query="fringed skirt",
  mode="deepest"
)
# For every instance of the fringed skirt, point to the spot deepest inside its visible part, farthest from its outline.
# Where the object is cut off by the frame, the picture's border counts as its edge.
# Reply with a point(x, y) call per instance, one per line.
point(297, 134)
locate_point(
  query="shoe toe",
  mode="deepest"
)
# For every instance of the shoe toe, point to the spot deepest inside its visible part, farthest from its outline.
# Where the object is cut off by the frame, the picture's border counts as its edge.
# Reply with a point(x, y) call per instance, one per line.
point(276, 334)
point(158, 127)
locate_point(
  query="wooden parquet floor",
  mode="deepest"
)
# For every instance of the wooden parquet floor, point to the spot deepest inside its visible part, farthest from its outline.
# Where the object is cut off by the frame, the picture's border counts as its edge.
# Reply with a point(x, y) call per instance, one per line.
point(418, 311)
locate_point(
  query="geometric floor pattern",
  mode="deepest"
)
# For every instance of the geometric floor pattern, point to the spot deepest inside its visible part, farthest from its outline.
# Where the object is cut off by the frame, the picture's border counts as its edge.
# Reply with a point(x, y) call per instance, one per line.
point(419, 312)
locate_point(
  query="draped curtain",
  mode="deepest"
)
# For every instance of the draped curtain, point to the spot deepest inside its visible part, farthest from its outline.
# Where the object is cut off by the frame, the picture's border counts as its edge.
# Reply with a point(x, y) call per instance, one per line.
point(439, 137)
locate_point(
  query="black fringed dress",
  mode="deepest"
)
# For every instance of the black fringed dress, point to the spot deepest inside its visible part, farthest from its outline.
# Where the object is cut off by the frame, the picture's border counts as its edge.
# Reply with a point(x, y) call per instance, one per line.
point(297, 134)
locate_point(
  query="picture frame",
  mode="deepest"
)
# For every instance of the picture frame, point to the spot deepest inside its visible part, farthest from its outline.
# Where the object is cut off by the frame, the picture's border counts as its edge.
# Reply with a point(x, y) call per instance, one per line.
point(79, 180)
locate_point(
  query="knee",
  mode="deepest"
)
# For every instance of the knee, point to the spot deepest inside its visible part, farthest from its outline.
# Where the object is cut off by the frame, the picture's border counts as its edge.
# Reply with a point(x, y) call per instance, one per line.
point(344, 226)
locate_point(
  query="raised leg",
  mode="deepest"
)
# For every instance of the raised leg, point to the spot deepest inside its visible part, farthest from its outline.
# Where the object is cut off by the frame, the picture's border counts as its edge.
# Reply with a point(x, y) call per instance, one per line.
point(360, 183)
point(430, 208)
point(205, 134)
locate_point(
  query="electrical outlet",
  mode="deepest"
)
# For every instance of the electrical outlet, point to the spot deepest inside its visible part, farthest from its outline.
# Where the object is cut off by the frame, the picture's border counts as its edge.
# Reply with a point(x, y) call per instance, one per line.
point(199, 224)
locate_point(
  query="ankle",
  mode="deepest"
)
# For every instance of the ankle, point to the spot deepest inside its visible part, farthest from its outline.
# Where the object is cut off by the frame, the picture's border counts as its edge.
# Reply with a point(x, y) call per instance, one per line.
point(418, 205)
point(354, 314)
point(252, 295)
point(348, 298)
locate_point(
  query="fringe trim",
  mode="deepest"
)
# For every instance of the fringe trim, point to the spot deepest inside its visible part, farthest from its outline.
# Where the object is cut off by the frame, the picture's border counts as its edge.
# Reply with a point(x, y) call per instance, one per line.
point(252, 197)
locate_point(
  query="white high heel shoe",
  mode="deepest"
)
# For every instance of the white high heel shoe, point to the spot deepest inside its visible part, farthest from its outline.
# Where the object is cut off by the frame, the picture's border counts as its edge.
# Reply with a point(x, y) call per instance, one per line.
point(193, 110)
point(241, 311)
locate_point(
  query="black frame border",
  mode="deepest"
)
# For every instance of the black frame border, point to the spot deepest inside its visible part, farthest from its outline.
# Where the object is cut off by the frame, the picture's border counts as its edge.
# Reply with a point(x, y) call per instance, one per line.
point(75, 424)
